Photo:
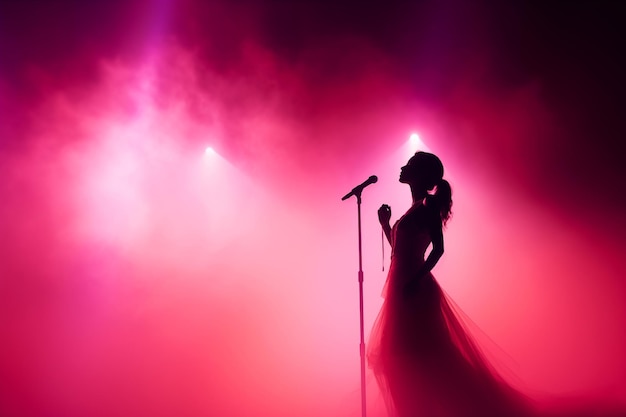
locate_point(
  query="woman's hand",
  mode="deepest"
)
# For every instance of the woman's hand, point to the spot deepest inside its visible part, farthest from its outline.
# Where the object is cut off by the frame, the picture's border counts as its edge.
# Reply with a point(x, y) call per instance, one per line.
point(384, 215)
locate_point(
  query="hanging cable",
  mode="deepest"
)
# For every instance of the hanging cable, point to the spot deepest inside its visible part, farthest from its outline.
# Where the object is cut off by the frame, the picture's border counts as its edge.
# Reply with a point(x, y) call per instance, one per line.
point(382, 241)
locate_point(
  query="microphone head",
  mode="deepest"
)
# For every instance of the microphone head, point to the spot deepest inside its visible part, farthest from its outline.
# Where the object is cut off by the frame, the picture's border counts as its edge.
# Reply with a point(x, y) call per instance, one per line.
point(373, 179)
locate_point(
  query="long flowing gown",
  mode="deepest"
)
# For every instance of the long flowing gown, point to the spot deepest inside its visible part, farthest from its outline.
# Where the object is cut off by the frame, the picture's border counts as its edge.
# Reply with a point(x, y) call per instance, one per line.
point(424, 359)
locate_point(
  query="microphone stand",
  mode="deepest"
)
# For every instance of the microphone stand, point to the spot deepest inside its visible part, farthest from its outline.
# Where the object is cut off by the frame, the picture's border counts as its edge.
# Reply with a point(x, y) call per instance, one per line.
point(357, 193)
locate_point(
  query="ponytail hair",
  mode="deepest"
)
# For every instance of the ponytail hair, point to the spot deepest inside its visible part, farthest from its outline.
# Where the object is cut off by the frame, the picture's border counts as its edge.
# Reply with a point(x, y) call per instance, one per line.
point(431, 170)
point(441, 200)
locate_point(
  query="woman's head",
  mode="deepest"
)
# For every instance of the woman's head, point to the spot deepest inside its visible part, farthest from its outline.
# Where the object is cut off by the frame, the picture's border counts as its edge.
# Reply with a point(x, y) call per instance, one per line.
point(424, 173)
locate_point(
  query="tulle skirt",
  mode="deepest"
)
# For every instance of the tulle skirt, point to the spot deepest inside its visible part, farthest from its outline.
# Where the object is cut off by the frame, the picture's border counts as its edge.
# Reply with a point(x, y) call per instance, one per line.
point(425, 360)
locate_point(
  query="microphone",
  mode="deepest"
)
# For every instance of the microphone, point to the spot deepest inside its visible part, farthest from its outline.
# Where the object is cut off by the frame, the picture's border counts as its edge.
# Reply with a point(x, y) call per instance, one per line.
point(357, 190)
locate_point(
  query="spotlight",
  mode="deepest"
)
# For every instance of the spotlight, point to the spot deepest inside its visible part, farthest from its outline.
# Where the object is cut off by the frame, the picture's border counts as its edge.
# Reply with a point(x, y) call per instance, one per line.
point(415, 143)
point(209, 151)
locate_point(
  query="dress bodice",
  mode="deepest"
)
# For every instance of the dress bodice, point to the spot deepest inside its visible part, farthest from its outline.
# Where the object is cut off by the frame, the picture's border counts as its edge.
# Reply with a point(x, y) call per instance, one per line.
point(410, 235)
point(410, 238)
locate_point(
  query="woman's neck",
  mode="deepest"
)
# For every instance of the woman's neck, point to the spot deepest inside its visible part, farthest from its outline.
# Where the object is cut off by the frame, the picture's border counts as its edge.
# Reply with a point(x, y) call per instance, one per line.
point(418, 196)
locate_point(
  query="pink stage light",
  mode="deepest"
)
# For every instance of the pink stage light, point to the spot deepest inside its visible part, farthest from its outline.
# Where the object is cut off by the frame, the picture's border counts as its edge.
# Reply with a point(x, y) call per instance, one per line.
point(415, 140)
point(209, 151)
point(412, 145)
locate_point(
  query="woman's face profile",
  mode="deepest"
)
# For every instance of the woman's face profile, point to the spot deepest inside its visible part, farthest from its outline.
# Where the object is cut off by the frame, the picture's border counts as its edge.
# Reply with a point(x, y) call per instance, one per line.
point(409, 172)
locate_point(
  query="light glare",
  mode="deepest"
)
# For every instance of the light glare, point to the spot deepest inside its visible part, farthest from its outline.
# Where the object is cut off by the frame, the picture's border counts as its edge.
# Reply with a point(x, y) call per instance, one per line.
point(415, 144)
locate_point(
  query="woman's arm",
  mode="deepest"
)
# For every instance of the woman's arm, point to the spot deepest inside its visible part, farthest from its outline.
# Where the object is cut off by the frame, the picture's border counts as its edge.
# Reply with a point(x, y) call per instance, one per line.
point(384, 215)
point(436, 235)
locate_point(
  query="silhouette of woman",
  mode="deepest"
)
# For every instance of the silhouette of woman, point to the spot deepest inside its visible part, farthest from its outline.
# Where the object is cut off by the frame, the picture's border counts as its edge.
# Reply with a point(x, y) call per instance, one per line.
point(425, 361)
